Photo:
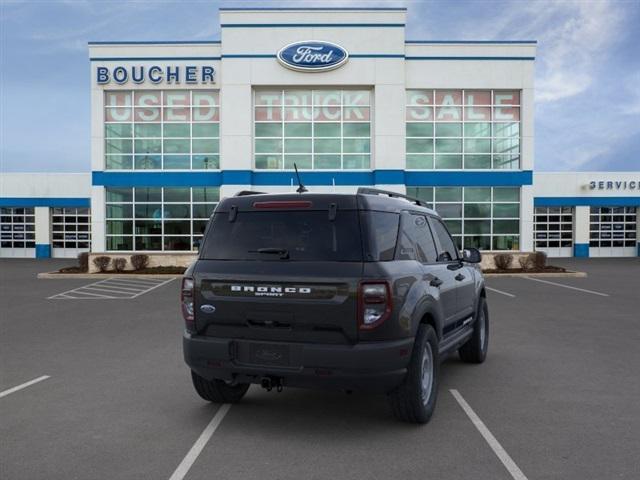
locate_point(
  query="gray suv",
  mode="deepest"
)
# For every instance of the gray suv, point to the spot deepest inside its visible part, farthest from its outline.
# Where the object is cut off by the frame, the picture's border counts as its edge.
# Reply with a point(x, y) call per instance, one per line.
point(361, 291)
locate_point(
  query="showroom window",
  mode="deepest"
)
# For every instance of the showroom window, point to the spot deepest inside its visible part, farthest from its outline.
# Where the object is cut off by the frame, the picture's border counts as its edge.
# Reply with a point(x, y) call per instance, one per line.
point(315, 129)
point(154, 218)
point(487, 218)
point(613, 227)
point(71, 228)
point(162, 130)
point(462, 129)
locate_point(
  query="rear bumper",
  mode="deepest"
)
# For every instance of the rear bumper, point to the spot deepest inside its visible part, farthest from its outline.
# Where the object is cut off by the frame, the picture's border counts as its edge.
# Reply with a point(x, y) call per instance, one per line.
point(371, 366)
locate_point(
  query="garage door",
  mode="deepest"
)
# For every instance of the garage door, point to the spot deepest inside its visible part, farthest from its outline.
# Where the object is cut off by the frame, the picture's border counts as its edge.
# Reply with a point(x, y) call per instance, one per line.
point(613, 232)
point(553, 227)
point(71, 232)
point(17, 232)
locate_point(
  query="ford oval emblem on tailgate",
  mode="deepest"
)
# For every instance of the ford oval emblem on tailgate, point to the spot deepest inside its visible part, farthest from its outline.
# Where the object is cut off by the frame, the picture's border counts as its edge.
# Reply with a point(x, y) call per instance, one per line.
point(207, 308)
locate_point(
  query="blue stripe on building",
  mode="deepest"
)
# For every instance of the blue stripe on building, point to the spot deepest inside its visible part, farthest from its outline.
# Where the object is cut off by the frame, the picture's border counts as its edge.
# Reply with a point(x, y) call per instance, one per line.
point(43, 250)
point(581, 250)
point(586, 201)
point(44, 202)
point(314, 178)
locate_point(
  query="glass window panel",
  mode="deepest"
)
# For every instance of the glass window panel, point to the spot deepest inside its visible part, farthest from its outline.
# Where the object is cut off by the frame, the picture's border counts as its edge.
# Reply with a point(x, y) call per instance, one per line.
point(421, 193)
point(203, 210)
point(299, 114)
point(419, 145)
point(268, 114)
point(148, 243)
point(453, 162)
point(506, 226)
point(356, 130)
point(301, 161)
point(116, 194)
point(327, 97)
point(297, 129)
point(177, 162)
point(506, 194)
point(269, 162)
point(177, 243)
point(356, 145)
point(475, 145)
point(356, 161)
point(176, 146)
point(511, 129)
point(205, 145)
point(297, 146)
point(419, 129)
point(146, 130)
point(448, 129)
point(176, 194)
point(148, 146)
point(119, 227)
point(506, 161)
point(356, 97)
point(477, 227)
point(119, 211)
point(448, 145)
point(146, 162)
point(268, 97)
point(326, 145)
point(506, 145)
point(477, 161)
point(117, 145)
point(117, 130)
point(449, 210)
point(298, 97)
point(199, 226)
point(417, 114)
point(177, 130)
point(448, 114)
point(424, 162)
point(148, 210)
point(206, 162)
point(182, 227)
point(454, 226)
point(148, 227)
point(176, 211)
point(206, 129)
point(327, 162)
point(327, 129)
point(206, 194)
point(268, 129)
point(482, 129)
point(118, 162)
point(506, 210)
point(477, 194)
point(268, 146)
point(448, 194)
point(477, 210)
point(119, 243)
point(205, 106)
point(148, 194)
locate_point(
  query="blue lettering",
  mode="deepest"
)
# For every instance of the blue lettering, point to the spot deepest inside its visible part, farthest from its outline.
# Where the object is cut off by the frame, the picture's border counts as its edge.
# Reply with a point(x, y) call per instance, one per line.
point(137, 78)
point(600, 185)
point(632, 185)
point(592, 185)
point(120, 74)
point(191, 73)
point(102, 73)
point(207, 74)
point(173, 76)
point(155, 74)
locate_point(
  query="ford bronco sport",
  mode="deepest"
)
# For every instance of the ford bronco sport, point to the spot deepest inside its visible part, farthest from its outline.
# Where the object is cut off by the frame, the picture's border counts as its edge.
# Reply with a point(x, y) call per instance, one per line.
point(361, 291)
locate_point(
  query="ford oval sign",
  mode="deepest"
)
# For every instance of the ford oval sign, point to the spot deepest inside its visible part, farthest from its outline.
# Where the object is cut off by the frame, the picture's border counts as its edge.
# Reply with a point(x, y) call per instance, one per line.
point(312, 56)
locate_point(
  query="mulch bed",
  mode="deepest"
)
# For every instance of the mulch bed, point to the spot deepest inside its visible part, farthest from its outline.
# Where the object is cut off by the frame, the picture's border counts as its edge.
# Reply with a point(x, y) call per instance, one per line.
point(548, 269)
point(149, 270)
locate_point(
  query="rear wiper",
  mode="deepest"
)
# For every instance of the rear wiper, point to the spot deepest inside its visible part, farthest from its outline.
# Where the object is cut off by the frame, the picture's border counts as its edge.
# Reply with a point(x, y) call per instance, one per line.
point(283, 252)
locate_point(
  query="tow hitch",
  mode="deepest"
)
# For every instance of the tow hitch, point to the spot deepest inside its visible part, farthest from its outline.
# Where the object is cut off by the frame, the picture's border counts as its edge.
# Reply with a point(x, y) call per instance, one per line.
point(269, 383)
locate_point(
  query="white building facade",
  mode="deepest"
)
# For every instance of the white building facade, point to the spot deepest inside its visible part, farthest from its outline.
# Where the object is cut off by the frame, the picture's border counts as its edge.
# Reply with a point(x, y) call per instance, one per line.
point(177, 125)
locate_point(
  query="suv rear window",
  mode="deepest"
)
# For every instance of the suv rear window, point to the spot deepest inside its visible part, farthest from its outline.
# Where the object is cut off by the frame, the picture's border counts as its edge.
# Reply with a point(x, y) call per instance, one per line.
point(304, 235)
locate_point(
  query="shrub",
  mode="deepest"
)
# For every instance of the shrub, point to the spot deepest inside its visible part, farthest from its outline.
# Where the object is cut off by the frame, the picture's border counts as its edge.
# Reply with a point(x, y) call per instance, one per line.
point(102, 262)
point(526, 262)
point(83, 261)
point(119, 264)
point(540, 260)
point(139, 261)
point(503, 261)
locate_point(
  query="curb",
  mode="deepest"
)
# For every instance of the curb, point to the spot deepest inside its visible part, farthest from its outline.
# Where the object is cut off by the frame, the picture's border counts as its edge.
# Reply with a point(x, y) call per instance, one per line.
point(57, 276)
point(538, 275)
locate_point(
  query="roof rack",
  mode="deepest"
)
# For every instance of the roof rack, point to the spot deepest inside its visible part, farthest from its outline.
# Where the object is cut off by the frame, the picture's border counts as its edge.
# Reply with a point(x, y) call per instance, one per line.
point(377, 191)
point(243, 193)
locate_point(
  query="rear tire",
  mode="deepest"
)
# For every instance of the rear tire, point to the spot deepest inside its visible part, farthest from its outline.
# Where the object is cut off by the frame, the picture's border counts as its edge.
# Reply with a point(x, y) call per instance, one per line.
point(218, 391)
point(415, 400)
point(475, 350)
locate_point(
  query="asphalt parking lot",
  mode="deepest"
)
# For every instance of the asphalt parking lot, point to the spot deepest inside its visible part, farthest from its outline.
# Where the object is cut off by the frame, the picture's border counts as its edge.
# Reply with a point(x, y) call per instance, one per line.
point(559, 393)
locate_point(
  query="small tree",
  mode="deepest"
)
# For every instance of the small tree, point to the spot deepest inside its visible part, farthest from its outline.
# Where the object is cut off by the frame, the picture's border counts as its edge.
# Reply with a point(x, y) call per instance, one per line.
point(540, 260)
point(139, 261)
point(526, 262)
point(102, 262)
point(503, 261)
point(119, 264)
point(83, 261)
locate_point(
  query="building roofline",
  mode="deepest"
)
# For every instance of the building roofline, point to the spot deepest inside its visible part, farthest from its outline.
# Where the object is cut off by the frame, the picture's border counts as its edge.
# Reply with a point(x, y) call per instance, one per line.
point(479, 42)
point(157, 42)
point(301, 9)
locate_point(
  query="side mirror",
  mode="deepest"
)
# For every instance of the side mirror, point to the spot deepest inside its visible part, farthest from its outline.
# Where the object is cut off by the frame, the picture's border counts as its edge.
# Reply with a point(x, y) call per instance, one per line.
point(471, 255)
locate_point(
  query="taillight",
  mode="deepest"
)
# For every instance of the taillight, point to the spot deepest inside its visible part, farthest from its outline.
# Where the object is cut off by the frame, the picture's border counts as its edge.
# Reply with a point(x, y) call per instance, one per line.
point(374, 304)
point(186, 302)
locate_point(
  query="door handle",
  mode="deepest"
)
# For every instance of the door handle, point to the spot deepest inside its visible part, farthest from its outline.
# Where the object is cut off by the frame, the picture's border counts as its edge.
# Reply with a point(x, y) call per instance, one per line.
point(459, 277)
point(435, 282)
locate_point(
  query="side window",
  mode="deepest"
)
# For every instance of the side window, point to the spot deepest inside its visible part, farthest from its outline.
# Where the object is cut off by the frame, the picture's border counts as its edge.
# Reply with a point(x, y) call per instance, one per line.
point(448, 251)
point(416, 242)
point(382, 234)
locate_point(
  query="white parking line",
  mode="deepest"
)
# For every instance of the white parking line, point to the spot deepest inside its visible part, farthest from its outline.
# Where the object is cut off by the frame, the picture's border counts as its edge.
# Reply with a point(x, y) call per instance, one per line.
point(23, 385)
point(153, 288)
point(113, 288)
point(500, 452)
point(567, 286)
point(501, 292)
point(202, 440)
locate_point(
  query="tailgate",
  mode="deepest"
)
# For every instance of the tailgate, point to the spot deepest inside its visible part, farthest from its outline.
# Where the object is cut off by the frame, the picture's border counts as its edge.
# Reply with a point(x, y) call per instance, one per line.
point(278, 301)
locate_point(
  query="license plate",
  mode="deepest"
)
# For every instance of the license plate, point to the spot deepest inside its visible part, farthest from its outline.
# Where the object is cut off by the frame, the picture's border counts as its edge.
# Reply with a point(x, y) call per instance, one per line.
point(269, 354)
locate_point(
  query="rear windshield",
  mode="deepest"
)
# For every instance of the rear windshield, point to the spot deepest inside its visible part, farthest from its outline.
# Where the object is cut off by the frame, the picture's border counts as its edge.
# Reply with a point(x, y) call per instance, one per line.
point(284, 236)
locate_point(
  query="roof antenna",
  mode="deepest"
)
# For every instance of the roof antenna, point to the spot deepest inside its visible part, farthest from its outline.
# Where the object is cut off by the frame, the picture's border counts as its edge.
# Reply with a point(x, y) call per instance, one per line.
point(301, 188)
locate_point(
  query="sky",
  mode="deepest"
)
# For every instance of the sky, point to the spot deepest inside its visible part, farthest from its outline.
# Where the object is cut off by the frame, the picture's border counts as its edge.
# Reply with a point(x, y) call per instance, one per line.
point(587, 68)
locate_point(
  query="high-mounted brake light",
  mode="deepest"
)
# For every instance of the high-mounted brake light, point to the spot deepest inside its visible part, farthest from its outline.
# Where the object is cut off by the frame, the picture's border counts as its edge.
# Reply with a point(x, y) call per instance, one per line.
point(374, 304)
point(186, 303)
point(283, 204)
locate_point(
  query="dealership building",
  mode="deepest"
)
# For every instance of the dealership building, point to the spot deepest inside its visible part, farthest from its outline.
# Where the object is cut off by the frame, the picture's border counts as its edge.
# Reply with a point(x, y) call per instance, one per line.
point(342, 94)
